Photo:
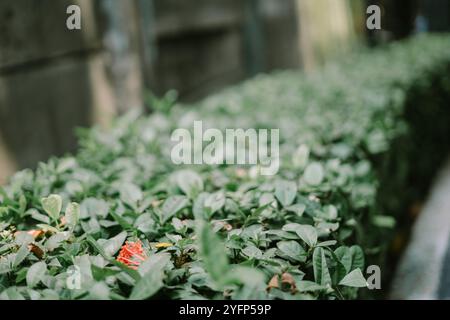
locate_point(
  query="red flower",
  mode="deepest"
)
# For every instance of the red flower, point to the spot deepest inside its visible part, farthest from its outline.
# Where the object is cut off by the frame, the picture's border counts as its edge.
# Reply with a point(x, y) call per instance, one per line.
point(132, 254)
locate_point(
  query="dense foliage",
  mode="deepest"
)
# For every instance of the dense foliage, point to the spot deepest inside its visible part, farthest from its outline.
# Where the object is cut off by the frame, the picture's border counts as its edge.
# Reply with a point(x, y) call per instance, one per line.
point(223, 231)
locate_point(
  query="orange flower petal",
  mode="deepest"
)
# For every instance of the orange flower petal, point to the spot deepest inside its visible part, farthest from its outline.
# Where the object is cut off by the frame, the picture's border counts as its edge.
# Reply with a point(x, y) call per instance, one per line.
point(132, 254)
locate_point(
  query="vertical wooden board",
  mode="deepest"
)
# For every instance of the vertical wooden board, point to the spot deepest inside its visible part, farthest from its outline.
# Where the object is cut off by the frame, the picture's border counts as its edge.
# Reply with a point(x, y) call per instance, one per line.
point(179, 16)
point(39, 110)
point(120, 26)
point(103, 106)
point(326, 30)
point(200, 63)
point(280, 27)
point(34, 30)
point(7, 163)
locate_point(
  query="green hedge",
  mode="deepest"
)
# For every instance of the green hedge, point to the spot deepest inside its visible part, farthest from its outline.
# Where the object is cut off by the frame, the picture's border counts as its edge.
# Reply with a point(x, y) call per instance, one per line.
point(355, 138)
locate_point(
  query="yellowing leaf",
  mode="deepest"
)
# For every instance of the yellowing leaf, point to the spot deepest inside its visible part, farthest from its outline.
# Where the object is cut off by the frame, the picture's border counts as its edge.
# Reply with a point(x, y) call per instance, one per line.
point(163, 245)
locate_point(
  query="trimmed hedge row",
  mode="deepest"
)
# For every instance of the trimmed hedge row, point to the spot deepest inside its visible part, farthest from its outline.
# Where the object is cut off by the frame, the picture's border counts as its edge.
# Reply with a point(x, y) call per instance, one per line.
point(349, 159)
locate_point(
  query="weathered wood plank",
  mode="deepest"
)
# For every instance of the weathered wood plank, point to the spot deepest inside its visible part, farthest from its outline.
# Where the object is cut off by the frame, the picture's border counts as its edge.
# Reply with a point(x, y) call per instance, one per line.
point(190, 64)
point(173, 17)
point(35, 30)
point(39, 110)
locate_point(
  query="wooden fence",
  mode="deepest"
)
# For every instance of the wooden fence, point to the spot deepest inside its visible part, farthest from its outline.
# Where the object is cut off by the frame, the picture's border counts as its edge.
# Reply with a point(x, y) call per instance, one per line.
point(53, 79)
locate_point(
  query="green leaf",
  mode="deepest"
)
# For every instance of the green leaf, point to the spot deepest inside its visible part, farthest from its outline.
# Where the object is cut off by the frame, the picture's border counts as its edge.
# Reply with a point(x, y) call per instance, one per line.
point(327, 243)
point(145, 223)
point(314, 174)
point(172, 206)
point(47, 228)
point(35, 273)
point(11, 293)
point(23, 238)
point(320, 267)
point(214, 202)
point(198, 208)
point(250, 277)
point(22, 204)
point(21, 254)
point(293, 250)
point(252, 252)
point(55, 240)
point(189, 182)
point(301, 156)
point(121, 220)
point(152, 277)
point(354, 279)
point(52, 205)
point(153, 262)
point(92, 207)
point(309, 286)
point(305, 232)
point(72, 214)
point(112, 245)
point(100, 274)
point(339, 271)
point(285, 192)
point(351, 258)
point(345, 257)
point(132, 273)
point(357, 257)
point(212, 252)
point(297, 208)
point(99, 291)
point(330, 212)
point(255, 215)
point(130, 194)
point(38, 216)
point(384, 221)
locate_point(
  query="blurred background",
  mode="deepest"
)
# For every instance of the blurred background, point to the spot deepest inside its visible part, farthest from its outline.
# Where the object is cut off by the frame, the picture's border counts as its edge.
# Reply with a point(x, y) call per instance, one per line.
point(53, 80)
